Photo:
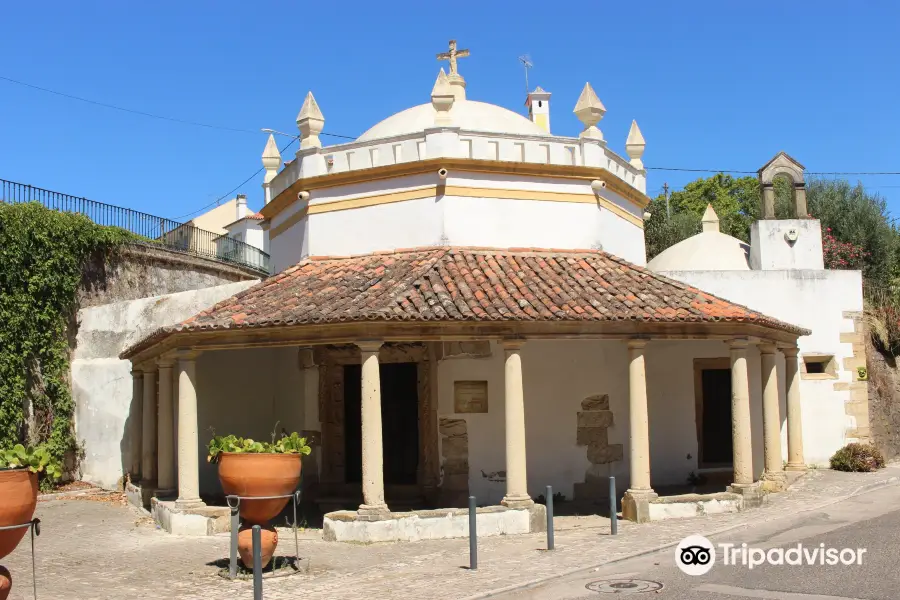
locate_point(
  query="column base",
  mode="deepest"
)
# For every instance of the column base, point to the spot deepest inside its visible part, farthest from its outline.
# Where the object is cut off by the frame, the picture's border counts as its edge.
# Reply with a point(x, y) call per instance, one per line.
point(373, 512)
point(750, 492)
point(773, 481)
point(189, 503)
point(795, 467)
point(517, 502)
point(636, 505)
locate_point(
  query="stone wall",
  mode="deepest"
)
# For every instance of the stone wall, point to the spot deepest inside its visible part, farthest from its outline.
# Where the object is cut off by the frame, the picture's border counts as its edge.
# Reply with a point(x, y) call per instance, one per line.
point(593, 422)
point(141, 271)
point(454, 462)
point(884, 401)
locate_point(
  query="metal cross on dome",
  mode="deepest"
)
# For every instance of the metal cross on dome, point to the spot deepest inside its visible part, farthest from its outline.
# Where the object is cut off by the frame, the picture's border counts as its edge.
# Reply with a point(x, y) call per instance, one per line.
point(452, 55)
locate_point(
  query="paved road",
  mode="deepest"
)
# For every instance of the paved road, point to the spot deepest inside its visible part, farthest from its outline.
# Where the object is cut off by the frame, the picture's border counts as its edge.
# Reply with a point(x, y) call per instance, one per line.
point(870, 521)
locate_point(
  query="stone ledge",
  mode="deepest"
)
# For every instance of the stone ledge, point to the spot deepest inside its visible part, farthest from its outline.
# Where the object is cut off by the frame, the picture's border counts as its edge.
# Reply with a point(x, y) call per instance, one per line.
point(204, 520)
point(442, 523)
point(694, 505)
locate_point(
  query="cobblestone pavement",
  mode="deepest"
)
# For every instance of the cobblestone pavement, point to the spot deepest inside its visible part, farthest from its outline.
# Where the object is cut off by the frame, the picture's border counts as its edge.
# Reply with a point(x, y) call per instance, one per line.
point(95, 550)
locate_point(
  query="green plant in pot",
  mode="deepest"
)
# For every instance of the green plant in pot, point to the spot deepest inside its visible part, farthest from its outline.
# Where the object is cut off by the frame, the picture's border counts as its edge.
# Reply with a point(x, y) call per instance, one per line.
point(19, 468)
point(250, 468)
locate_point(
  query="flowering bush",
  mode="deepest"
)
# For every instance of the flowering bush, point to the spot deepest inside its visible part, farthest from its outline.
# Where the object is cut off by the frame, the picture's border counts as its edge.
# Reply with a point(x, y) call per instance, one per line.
point(857, 457)
point(842, 255)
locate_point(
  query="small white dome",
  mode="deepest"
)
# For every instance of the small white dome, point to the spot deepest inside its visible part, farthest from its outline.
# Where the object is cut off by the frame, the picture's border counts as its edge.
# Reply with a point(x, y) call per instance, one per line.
point(466, 114)
point(707, 251)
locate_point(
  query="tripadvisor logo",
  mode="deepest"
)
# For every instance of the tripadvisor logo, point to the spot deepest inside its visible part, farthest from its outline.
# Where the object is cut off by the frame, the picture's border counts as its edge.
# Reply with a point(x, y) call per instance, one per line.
point(696, 555)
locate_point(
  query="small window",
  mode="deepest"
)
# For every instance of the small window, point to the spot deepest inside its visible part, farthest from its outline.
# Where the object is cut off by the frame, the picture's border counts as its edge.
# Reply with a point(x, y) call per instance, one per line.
point(819, 366)
point(540, 103)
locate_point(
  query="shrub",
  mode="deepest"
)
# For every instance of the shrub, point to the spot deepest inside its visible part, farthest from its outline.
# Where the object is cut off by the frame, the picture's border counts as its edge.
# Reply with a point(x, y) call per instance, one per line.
point(288, 444)
point(36, 460)
point(858, 458)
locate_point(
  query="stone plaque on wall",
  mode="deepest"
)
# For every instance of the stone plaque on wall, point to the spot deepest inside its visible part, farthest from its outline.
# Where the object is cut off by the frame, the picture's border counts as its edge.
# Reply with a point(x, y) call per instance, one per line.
point(470, 396)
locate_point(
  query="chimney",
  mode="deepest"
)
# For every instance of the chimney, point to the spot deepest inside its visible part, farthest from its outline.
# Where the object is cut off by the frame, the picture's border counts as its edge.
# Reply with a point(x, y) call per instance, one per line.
point(242, 210)
point(538, 103)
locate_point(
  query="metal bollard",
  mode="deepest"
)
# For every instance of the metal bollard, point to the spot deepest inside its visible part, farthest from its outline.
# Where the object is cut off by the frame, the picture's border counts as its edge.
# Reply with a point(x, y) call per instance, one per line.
point(613, 516)
point(549, 517)
point(235, 525)
point(257, 563)
point(473, 535)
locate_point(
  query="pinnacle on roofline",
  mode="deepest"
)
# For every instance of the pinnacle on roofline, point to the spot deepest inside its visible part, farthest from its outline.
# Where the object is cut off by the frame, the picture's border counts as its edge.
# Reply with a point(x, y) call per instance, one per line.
point(634, 146)
point(589, 111)
point(310, 122)
point(442, 98)
point(710, 219)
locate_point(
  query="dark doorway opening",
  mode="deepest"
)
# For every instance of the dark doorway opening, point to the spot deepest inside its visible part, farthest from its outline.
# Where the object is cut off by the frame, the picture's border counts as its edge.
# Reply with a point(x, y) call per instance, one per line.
point(399, 422)
point(715, 443)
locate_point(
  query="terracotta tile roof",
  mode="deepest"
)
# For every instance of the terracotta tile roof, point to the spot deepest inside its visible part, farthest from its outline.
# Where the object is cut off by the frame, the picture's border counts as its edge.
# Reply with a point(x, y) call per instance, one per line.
point(256, 216)
point(467, 284)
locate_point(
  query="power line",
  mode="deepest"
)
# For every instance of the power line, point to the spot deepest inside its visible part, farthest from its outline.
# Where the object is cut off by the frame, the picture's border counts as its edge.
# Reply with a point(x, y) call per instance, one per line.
point(231, 191)
point(146, 114)
point(755, 172)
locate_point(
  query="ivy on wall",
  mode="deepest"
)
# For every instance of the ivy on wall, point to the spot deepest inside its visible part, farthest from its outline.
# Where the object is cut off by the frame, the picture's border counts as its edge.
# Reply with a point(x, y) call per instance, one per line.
point(42, 253)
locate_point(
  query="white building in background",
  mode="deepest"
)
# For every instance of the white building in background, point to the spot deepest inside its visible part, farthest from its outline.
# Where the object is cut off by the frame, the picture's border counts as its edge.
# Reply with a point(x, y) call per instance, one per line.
point(247, 231)
point(475, 285)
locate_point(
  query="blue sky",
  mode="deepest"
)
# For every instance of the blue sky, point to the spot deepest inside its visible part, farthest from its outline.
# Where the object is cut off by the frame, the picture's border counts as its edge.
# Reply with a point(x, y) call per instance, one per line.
point(721, 85)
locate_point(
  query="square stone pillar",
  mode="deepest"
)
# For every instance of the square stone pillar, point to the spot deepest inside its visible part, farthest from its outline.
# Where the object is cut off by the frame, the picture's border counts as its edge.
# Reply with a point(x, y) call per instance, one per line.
point(165, 451)
point(373, 507)
point(773, 478)
point(188, 438)
point(135, 424)
point(148, 436)
point(636, 502)
point(796, 461)
point(516, 467)
point(741, 433)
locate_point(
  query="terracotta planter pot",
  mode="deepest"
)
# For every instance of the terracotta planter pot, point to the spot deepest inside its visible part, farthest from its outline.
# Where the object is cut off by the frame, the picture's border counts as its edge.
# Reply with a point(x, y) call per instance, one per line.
point(18, 497)
point(268, 540)
point(5, 583)
point(259, 475)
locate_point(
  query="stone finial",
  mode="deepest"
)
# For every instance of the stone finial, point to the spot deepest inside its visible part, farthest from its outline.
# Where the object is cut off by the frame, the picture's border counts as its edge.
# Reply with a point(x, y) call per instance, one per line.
point(310, 122)
point(271, 159)
point(589, 111)
point(634, 146)
point(442, 97)
point(710, 219)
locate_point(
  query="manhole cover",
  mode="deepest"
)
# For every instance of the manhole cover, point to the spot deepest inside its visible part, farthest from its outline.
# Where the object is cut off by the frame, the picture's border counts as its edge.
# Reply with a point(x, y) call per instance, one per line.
point(624, 586)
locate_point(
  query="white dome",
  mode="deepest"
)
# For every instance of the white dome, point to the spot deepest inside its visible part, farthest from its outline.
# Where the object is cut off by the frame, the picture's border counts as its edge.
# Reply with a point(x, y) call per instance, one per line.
point(707, 251)
point(466, 114)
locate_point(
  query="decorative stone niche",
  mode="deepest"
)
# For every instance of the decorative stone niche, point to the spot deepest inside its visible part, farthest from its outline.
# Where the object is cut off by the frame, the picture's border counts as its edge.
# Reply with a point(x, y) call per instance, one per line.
point(593, 421)
point(454, 461)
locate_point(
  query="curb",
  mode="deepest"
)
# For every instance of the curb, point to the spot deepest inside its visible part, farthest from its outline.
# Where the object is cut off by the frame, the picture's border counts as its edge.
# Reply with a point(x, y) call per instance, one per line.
point(869, 487)
point(58, 495)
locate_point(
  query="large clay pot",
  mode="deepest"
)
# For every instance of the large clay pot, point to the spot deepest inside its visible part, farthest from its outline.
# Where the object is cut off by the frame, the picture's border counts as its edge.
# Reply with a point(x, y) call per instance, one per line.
point(259, 475)
point(5, 583)
point(268, 539)
point(18, 498)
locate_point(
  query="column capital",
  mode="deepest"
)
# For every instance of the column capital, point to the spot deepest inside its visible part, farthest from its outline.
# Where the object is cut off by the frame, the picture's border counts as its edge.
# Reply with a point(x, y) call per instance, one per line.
point(790, 351)
point(136, 371)
point(166, 361)
point(766, 348)
point(148, 367)
point(370, 345)
point(738, 343)
point(637, 343)
point(185, 354)
point(512, 344)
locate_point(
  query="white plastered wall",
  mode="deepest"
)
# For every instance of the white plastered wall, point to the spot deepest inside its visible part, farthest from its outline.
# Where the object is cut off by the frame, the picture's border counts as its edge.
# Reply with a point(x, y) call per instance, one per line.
point(558, 375)
point(816, 300)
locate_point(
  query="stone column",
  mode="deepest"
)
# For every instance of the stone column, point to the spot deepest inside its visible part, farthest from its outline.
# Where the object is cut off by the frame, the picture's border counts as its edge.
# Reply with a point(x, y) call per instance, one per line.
point(188, 439)
point(166, 427)
point(148, 437)
point(636, 503)
point(774, 473)
point(135, 426)
point(373, 506)
point(740, 425)
point(516, 468)
point(796, 462)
